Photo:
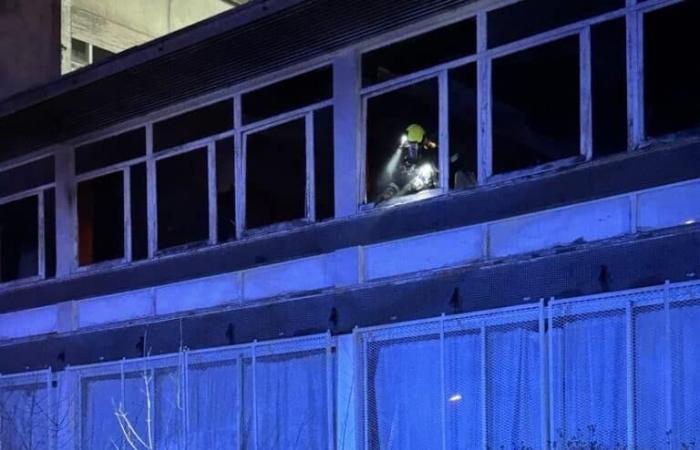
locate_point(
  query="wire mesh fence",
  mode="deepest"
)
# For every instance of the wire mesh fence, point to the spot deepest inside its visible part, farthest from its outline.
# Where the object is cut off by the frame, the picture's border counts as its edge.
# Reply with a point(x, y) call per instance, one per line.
point(25, 405)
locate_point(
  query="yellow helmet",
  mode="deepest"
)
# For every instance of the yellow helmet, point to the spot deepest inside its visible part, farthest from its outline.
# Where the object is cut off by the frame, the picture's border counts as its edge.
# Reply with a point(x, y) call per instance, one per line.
point(415, 133)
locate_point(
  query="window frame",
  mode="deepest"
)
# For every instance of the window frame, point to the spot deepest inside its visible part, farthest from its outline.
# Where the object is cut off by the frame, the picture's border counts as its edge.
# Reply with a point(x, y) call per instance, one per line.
point(39, 193)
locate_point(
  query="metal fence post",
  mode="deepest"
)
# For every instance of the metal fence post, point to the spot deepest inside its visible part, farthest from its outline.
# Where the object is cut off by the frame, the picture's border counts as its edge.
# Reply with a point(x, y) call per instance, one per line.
point(443, 387)
point(544, 402)
point(629, 320)
point(330, 390)
point(484, 387)
point(668, 366)
point(255, 396)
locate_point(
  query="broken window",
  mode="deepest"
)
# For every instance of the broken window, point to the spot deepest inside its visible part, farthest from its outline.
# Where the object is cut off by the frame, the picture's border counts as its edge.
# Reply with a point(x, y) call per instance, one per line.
point(276, 174)
point(462, 123)
point(672, 69)
point(182, 192)
point(19, 239)
point(507, 24)
point(323, 162)
point(225, 190)
point(110, 151)
point(420, 52)
point(609, 87)
point(402, 141)
point(101, 219)
point(535, 110)
point(288, 95)
point(193, 125)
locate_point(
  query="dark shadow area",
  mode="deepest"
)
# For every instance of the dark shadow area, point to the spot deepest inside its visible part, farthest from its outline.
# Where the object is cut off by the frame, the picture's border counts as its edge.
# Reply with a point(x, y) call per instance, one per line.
point(27, 176)
point(225, 191)
point(113, 150)
point(463, 127)
point(193, 125)
point(323, 161)
point(276, 174)
point(19, 236)
point(101, 219)
point(536, 106)
point(139, 212)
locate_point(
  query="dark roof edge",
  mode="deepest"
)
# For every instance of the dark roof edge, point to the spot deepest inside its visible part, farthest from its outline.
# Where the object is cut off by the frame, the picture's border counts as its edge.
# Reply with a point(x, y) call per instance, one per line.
point(159, 47)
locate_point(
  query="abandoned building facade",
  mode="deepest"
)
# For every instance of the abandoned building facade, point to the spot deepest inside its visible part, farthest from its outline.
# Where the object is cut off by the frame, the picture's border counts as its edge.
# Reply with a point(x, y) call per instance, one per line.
point(204, 243)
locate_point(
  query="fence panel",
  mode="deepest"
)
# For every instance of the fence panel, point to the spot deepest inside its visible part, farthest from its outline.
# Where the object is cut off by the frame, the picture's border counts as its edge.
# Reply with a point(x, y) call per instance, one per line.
point(25, 412)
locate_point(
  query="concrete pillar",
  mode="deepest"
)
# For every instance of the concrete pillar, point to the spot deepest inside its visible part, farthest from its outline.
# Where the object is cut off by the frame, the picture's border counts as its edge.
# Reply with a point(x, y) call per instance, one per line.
point(346, 394)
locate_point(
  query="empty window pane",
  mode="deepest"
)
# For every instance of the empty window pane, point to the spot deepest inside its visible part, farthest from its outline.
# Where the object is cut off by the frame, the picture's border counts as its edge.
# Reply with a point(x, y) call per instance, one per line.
point(101, 219)
point(536, 16)
point(19, 236)
point(193, 125)
point(276, 174)
point(323, 160)
point(225, 190)
point(50, 232)
point(420, 52)
point(288, 95)
point(113, 150)
point(536, 106)
point(462, 85)
point(672, 68)
point(27, 176)
point(392, 160)
point(139, 215)
point(609, 79)
point(100, 54)
point(183, 206)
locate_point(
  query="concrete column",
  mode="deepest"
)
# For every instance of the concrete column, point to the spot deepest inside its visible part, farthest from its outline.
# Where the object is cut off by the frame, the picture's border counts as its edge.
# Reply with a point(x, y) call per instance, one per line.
point(346, 116)
point(66, 228)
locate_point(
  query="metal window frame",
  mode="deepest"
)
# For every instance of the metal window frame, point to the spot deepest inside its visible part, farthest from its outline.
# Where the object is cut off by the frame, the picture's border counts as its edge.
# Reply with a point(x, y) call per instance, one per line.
point(35, 378)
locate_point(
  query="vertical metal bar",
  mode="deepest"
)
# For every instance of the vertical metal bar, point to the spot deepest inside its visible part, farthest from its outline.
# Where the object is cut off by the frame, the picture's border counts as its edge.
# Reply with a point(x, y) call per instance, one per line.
point(185, 377)
point(329, 391)
point(484, 388)
point(635, 77)
point(552, 378)
point(310, 168)
point(255, 396)
point(484, 116)
point(128, 252)
point(239, 169)
point(586, 93)
point(41, 231)
point(50, 412)
point(629, 320)
point(151, 194)
point(212, 188)
point(443, 385)
point(1, 421)
point(365, 389)
point(668, 366)
point(241, 404)
point(544, 401)
point(444, 133)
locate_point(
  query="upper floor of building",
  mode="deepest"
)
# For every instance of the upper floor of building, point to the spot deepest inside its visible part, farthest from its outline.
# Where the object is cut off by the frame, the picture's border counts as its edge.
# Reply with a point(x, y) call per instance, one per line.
point(201, 143)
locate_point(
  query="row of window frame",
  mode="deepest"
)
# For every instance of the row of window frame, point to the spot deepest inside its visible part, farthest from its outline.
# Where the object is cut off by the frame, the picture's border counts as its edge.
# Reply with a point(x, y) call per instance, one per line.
point(633, 13)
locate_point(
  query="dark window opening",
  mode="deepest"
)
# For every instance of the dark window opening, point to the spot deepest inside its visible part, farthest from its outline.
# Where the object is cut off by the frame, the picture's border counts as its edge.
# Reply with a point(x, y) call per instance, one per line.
point(113, 150)
point(225, 190)
point(323, 160)
point(609, 84)
point(388, 117)
point(80, 52)
point(531, 17)
point(193, 125)
point(27, 176)
point(101, 219)
point(19, 239)
point(463, 127)
point(536, 101)
point(276, 174)
point(183, 199)
point(288, 95)
point(139, 214)
point(420, 52)
point(672, 69)
point(50, 232)
point(100, 54)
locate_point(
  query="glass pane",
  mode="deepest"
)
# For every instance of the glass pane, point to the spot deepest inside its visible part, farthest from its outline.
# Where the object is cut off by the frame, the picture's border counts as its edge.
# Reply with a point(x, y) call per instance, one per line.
point(225, 190)
point(100, 400)
point(139, 214)
point(50, 232)
point(672, 90)
point(288, 95)
point(214, 406)
point(113, 150)
point(19, 239)
point(536, 106)
point(394, 163)
point(28, 176)
point(168, 409)
point(507, 24)
point(419, 52)
point(323, 159)
point(193, 125)
point(463, 130)
point(276, 174)
point(24, 419)
point(183, 199)
point(101, 219)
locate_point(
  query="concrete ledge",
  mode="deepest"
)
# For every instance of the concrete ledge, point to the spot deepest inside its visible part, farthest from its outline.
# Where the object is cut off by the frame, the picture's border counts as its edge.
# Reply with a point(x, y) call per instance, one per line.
point(32, 322)
point(433, 251)
point(200, 293)
point(669, 207)
point(587, 222)
point(115, 308)
point(300, 275)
